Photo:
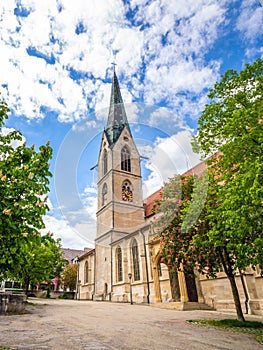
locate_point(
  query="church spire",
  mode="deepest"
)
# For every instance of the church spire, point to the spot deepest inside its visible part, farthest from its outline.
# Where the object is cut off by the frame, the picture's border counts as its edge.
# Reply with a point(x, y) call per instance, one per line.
point(117, 118)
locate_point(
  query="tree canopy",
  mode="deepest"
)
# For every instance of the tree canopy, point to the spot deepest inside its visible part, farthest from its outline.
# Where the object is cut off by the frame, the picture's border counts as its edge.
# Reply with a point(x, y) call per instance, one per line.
point(69, 277)
point(24, 180)
point(232, 125)
point(228, 230)
point(40, 259)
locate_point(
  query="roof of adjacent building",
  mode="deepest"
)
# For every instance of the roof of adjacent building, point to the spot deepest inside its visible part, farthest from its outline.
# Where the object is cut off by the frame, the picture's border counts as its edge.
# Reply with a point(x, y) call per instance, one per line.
point(71, 254)
point(87, 253)
point(117, 118)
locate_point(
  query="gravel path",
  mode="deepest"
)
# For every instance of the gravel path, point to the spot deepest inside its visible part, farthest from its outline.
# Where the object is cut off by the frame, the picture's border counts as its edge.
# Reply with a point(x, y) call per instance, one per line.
point(77, 325)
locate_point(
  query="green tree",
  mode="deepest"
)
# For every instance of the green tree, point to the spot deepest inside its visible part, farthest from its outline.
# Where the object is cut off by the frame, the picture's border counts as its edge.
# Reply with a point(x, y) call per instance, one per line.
point(69, 277)
point(40, 260)
point(232, 126)
point(24, 180)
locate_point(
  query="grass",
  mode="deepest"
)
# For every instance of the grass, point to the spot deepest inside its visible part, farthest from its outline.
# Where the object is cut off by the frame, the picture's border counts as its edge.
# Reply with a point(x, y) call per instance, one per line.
point(259, 338)
point(252, 327)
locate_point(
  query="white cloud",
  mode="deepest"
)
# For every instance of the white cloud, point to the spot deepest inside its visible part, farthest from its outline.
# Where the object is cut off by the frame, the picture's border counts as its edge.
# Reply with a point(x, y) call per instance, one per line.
point(168, 157)
point(161, 41)
point(71, 237)
point(250, 20)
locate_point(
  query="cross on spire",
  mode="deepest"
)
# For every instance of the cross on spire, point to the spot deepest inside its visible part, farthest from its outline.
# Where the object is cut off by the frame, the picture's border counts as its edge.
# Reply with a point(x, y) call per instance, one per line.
point(114, 64)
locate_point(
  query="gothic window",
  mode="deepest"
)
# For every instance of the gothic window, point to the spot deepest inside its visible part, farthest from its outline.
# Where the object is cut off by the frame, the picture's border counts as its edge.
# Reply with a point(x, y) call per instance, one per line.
point(126, 191)
point(105, 162)
point(104, 194)
point(119, 264)
point(125, 159)
point(86, 272)
point(135, 260)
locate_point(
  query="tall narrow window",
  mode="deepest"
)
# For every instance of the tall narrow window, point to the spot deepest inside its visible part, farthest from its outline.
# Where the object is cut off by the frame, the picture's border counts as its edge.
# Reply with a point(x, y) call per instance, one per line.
point(105, 162)
point(104, 194)
point(135, 259)
point(125, 159)
point(86, 272)
point(119, 264)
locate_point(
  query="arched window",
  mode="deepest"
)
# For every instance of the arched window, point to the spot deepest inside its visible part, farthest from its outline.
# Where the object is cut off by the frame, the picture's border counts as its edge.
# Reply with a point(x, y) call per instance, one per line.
point(135, 259)
point(125, 159)
point(119, 264)
point(126, 191)
point(86, 272)
point(105, 162)
point(104, 194)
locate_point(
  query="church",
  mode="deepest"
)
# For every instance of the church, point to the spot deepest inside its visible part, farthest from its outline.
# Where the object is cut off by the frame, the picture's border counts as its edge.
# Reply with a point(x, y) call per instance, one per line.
point(126, 261)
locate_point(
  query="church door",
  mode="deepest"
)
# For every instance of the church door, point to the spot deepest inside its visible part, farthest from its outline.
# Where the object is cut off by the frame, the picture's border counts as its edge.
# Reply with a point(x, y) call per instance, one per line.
point(191, 288)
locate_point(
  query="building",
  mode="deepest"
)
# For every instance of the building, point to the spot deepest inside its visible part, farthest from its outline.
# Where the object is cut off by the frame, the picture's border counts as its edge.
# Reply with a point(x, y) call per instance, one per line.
point(126, 245)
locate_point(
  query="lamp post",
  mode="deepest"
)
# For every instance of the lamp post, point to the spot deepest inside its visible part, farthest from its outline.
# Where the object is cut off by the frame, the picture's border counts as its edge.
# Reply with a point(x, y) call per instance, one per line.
point(130, 278)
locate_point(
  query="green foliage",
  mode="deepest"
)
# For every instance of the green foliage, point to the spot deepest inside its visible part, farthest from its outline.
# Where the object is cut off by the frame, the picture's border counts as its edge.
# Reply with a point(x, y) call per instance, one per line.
point(40, 260)
point(228, 228)
point(24, 180)
point(232, 123)
point(69, 277)
point(232, 126)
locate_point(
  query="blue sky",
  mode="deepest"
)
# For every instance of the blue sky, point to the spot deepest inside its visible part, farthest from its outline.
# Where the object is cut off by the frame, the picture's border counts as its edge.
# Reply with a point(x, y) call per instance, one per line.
point(56, 76)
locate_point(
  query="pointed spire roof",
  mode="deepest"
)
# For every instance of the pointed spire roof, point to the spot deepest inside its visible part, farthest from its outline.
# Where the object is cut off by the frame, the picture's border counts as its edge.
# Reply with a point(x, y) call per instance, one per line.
point(117, 118)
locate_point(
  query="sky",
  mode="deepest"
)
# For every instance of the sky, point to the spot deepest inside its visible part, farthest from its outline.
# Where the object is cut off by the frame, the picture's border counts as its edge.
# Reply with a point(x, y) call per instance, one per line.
point(55, 74)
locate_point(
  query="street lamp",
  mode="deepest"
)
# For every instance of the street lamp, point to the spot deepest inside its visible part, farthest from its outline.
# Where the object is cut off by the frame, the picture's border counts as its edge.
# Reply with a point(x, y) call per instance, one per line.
point(130, 278)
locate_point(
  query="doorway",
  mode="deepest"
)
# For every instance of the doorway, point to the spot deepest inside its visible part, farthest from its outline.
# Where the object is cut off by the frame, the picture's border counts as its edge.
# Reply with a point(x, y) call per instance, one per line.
point(191, 288)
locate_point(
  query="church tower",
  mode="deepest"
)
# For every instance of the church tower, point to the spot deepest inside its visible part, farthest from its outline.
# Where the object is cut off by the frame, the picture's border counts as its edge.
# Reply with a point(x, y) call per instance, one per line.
point(120, 203)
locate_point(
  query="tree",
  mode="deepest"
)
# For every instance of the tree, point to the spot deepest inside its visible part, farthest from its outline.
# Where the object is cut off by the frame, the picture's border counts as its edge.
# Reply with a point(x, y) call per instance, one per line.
point(69, 277)
point(24, 179)
point(184, 244)
point(232, 126)
point(40, 260)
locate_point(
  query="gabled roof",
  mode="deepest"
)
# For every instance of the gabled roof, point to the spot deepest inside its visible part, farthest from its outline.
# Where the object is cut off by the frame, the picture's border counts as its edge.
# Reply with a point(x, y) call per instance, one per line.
point(86, 253)
point(70, 254)
point(117, 118)
point(149, 202)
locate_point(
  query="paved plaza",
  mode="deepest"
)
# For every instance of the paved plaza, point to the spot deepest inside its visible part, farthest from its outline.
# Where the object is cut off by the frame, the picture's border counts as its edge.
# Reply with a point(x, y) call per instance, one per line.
point(77, 325)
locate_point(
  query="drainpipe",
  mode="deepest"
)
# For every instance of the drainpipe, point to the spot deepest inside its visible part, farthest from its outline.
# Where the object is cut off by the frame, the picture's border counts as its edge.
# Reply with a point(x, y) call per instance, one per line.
point(94, 288)
point(110, 270)
point(146, 267)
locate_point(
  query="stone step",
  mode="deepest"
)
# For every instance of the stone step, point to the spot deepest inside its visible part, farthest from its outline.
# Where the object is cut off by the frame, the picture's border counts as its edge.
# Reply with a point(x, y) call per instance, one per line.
point(183, 306)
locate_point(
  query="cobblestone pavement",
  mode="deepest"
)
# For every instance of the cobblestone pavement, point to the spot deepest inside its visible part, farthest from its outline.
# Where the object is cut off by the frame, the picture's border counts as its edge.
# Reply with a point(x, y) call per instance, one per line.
point(77, 325)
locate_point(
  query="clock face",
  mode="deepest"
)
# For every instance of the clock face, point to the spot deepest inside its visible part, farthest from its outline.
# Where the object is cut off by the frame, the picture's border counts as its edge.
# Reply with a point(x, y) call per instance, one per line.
point(127, 195)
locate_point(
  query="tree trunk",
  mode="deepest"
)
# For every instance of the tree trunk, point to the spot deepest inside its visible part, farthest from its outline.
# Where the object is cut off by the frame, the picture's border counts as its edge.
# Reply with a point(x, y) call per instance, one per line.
point(175, 289)
point(228, 267)
point(26, 286)
point(235, 293)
